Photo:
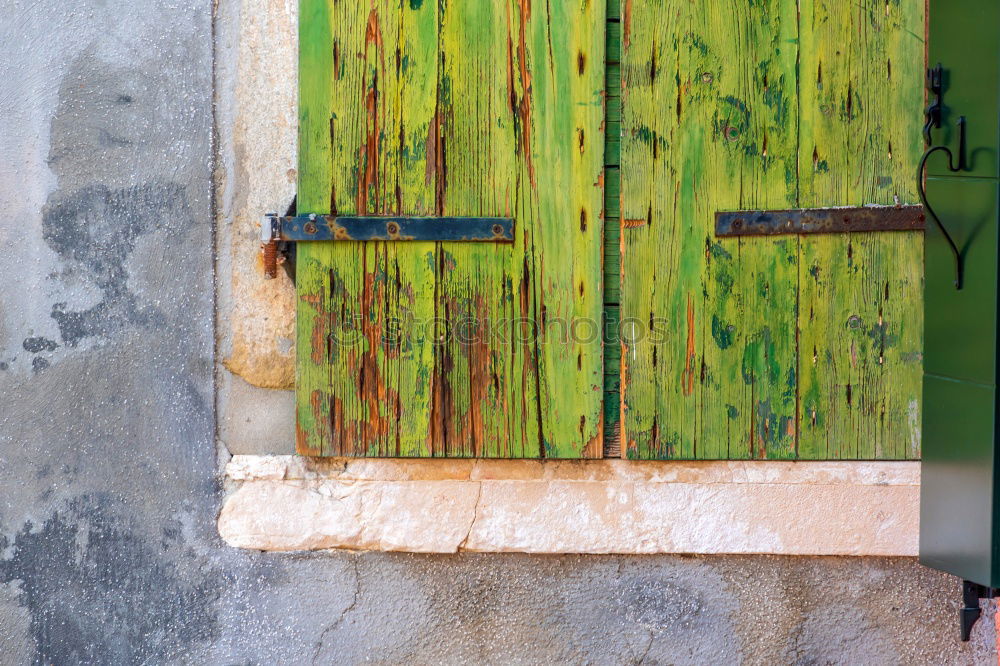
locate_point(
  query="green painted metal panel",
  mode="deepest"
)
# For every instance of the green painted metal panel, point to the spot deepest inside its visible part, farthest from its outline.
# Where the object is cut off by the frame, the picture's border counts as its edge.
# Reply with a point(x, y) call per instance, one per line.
point(960, 325)
point(956, 485)
point(958, 500)
point(963, 38)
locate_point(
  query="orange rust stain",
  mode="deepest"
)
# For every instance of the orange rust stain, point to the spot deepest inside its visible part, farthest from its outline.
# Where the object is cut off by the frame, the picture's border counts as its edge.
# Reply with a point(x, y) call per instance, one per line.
point(627, 24)
point(319, 351)
point(687, 379)
point(337, 425)
point(594, 447)
point(442, 403)
point(368, 151)
point(372, 387)
point(302, 446)
point(476, 349)
point(524, 106)
point(321, 416)
point(373, 32)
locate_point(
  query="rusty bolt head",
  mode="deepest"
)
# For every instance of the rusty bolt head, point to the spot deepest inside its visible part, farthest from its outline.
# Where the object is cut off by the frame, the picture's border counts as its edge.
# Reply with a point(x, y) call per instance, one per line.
point(310, 227)
point(392, 228)
point(497, 230)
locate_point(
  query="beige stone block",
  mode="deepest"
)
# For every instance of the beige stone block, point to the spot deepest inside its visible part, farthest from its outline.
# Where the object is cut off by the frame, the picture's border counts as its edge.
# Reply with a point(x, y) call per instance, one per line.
point(430, 516)
point(822, 508)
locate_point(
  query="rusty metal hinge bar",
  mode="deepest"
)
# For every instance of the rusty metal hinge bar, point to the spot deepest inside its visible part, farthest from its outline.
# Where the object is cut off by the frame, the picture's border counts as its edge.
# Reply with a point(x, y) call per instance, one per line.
point(819, 220)
point(357, 228)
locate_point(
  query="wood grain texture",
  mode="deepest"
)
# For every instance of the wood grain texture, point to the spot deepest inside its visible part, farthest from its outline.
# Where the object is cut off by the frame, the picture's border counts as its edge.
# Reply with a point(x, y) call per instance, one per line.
point(724, 109)
point(612, 233)
point(452, 108)
point(860, 317)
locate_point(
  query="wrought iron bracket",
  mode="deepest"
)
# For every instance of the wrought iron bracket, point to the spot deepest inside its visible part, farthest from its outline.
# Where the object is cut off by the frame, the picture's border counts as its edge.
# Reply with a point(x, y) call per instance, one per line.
point(933, 120)
point(969, 613)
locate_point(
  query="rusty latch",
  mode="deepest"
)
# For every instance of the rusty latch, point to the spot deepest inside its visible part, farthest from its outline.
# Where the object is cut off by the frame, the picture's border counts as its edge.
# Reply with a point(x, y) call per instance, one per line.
point(310, 228)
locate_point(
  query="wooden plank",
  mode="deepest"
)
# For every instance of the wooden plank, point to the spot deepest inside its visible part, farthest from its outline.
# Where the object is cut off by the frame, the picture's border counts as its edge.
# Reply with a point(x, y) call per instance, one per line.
point(314, 191)
point(708, 326)
point(612, 152)
point(613, 39)
point(861, 321)
point(368, 300)
point(614, 10)
point(612, 381)
point(612, 233)
point(441, 358)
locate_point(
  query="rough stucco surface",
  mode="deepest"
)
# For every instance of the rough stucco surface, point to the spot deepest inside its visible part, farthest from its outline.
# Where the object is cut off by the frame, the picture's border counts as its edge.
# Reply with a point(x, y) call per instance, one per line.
point(108, 458)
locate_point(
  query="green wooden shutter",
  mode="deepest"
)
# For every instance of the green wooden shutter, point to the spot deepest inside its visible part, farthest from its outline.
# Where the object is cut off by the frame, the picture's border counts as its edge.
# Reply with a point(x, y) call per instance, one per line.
point(457, 108)
point(787, 347)
point(959, 517)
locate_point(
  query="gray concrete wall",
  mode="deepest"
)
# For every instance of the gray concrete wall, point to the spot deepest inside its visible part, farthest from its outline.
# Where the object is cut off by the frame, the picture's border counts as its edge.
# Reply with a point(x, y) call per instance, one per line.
point(109, 484)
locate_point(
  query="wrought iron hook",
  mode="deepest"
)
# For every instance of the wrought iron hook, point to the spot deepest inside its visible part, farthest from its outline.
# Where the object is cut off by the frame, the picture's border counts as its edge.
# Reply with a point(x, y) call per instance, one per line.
point(932, 115)
point(933, 120)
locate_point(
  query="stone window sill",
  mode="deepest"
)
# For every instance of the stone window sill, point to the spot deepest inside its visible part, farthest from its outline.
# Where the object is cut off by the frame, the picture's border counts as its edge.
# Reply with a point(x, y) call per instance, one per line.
point(285, 503)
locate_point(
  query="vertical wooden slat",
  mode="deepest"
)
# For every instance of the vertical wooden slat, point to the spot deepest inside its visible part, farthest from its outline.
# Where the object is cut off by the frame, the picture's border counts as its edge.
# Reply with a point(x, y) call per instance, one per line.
point(860, 319)
point(375, 296)
point(461, 108)
point(484, 401)
point(612, 232)
point(313, 389)
point(708, 326)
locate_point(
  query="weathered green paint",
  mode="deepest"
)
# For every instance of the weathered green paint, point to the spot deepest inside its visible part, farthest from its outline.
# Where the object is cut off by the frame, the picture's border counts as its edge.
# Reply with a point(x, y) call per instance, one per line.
point(792, 347)
point(463, 108)
point(860, 312)
point(612, 234)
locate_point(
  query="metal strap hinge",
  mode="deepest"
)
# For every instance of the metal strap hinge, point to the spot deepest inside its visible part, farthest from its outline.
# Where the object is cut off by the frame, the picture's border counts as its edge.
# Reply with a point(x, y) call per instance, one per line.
point(349, 228)
point(819, 220)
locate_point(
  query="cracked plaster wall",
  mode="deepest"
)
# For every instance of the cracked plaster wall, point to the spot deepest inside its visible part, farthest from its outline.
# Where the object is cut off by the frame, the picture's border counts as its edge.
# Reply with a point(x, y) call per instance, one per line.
point(108, 457)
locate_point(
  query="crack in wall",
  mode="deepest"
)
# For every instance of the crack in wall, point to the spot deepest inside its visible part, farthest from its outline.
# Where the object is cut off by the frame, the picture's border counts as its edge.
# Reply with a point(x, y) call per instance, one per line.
point(475, 516)
point(350, 608)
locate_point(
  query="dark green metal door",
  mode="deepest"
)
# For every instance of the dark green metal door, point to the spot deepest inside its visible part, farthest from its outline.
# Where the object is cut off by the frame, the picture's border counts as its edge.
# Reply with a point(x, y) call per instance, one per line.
point(958, 512)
